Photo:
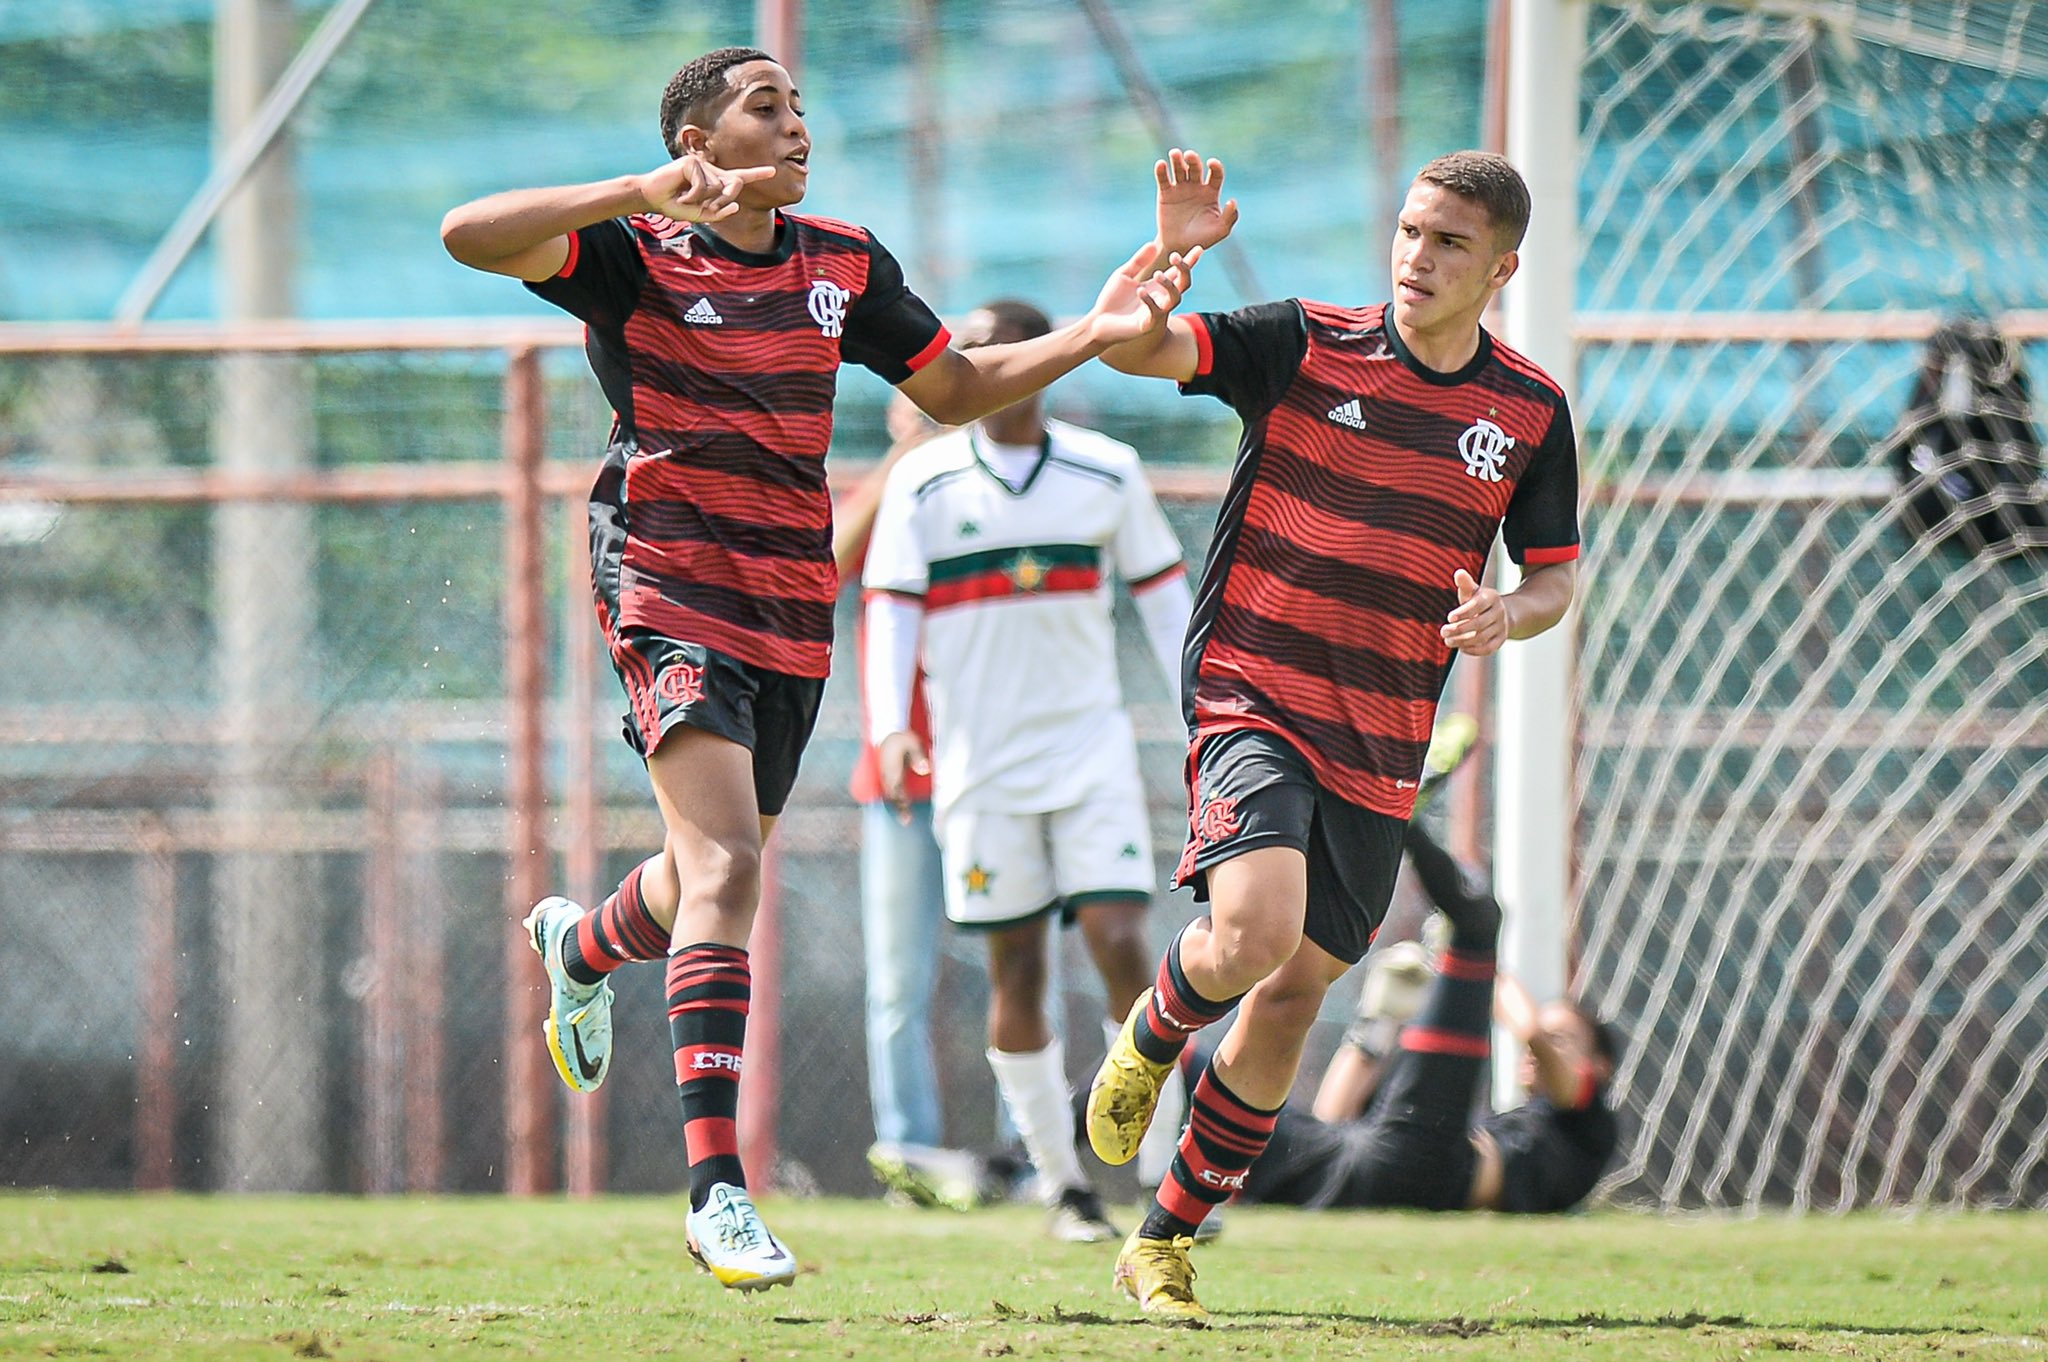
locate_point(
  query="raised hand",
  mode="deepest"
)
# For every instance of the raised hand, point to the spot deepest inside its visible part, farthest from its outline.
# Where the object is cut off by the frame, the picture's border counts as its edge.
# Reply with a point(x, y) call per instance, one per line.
point(1135, 301)
point(691, 189)
point(1190, 214)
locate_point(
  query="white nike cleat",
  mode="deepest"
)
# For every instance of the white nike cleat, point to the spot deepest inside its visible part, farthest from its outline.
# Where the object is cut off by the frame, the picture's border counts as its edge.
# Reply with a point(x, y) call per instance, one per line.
point(729, 1240)
point(579, 1022)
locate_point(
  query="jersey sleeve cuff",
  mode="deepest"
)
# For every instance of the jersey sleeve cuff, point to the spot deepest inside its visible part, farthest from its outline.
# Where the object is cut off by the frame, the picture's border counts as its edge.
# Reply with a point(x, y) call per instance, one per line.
point(930, 351)
point(1205, 346)
point(575, 253)
point(1563, 553)
point(1159, 578)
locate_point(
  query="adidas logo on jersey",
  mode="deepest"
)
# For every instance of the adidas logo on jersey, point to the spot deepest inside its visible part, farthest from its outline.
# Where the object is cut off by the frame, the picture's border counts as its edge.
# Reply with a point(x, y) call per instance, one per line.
point(1349, 414)
point(703, 314)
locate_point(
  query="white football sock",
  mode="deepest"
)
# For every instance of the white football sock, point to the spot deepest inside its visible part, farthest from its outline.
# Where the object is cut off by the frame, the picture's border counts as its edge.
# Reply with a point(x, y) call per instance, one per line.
point(1162, 1137)
point(1034, 1088)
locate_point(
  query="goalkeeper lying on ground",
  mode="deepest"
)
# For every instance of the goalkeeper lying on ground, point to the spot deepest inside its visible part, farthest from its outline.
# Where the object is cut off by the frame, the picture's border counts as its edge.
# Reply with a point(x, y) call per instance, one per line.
point(1545, 1155)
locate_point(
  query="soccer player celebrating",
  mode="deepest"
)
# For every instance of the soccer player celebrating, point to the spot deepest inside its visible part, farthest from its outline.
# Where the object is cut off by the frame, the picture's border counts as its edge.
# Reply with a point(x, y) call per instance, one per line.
point(992, 543)
point(1416, 1146)
point(717, 324)
point(1383, 449)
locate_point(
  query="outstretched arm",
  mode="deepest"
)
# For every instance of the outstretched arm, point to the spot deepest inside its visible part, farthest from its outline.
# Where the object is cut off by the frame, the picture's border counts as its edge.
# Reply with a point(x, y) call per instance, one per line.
point(524, 233)
point(964, 385)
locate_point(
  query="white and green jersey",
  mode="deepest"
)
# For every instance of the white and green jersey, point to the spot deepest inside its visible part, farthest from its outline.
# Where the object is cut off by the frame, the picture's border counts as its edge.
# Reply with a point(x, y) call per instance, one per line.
point(1018, 643)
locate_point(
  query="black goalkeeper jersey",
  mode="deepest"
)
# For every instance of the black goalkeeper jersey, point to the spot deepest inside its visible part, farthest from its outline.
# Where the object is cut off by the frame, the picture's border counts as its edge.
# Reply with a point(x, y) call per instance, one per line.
point(1552, 1156)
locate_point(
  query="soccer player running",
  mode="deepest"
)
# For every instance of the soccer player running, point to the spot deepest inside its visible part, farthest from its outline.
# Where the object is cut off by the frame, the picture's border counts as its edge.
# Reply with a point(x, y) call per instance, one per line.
point(1384, 447)
point(991, 550)
point(1416, 1145)
point(902, 898)
point(717, 324)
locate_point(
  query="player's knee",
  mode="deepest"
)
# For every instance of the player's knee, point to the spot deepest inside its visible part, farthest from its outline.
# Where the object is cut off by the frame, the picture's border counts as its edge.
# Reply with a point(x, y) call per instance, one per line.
point(893, 999)
point(1250, 951)
point(1116, 928)
point(1292, 996)
point(1017, 975)
point(726, 877)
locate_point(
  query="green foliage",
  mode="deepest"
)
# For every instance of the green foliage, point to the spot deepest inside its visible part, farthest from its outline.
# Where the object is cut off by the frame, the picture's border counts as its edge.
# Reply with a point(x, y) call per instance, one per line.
point(239, 1278)
point(117, 81)
point(470, 63)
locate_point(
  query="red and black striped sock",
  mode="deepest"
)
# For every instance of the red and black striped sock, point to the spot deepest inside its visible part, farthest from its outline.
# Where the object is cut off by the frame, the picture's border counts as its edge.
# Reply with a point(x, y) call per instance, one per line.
point(1224, 1136)
point(1456, 1017)
point(709, 986)
point(619, 930)
point(1175, 1011)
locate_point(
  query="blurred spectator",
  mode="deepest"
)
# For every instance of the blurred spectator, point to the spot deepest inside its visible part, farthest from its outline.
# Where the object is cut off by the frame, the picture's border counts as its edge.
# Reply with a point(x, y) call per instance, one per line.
point(902, 902)
point(1966, 454)
point(991, 556)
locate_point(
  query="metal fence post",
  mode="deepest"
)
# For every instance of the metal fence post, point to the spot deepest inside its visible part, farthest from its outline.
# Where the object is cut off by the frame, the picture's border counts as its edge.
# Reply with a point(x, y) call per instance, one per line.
point(529, 1088)
point(384, 933)
point(156, 1041)
point(584, 1156)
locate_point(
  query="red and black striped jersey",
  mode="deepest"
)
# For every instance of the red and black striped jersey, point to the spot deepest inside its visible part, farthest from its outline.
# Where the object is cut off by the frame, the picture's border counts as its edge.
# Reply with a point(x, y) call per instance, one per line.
point(721, 366)
point(1363, 482)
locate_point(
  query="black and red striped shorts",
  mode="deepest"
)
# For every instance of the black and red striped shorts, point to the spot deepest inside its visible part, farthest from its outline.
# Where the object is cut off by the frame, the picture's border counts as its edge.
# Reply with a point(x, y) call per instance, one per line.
point(670, 682)
point(1248, 788)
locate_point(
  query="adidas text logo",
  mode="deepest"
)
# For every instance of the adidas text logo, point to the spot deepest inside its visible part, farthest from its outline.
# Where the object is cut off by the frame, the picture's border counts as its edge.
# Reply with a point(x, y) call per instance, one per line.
point(703, 314)
point(1348, 414)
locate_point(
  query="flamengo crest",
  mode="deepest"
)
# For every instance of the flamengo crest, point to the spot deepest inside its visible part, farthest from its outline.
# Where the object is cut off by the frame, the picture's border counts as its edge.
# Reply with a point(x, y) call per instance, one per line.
point(828, 306)
point(1485, 447)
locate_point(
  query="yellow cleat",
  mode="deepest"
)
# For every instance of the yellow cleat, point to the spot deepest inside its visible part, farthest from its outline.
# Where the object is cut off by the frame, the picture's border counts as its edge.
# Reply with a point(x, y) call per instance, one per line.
point(1452, 741)
point(1124, 1094)
point(1159, 1276)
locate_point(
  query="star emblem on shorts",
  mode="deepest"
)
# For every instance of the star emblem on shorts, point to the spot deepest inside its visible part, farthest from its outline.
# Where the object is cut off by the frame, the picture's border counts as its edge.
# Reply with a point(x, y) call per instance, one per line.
point(1027, 572)
point(978, 878)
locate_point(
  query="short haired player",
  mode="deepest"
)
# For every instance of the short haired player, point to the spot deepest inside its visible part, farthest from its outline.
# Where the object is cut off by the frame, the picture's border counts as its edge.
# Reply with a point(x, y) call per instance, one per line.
point(717, 324)
point(1384, 448)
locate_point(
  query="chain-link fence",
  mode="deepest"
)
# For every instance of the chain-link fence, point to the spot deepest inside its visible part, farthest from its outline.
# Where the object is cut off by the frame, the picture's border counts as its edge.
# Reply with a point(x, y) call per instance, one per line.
point(300, 704)
point(260, 803)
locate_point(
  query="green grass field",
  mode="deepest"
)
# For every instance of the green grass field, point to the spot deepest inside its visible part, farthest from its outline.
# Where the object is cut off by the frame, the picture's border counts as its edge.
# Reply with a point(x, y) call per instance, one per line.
point(232, 1278)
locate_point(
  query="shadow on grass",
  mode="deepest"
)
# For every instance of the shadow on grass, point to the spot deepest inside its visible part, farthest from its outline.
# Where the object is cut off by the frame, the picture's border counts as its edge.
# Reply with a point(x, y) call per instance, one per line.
point(1453, 1326)
point(1457, 1326)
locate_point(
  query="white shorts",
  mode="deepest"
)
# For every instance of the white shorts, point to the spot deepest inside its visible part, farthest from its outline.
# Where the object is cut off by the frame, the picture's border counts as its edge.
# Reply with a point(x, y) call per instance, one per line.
point(1005, 868)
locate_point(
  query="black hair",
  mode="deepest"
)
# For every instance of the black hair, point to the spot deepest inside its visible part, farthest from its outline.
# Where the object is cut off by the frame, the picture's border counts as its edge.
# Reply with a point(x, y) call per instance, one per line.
point(1606, 1037)
point(693, 91)
point(1028, 320)
point(1489, 181)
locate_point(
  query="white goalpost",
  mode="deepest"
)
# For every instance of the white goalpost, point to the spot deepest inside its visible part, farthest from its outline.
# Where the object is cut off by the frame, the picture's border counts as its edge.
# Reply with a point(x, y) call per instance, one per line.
point(1532, 782)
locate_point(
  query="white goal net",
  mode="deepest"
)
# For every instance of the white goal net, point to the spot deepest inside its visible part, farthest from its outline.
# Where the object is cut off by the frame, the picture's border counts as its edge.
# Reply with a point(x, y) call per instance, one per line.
point(1811, 782)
